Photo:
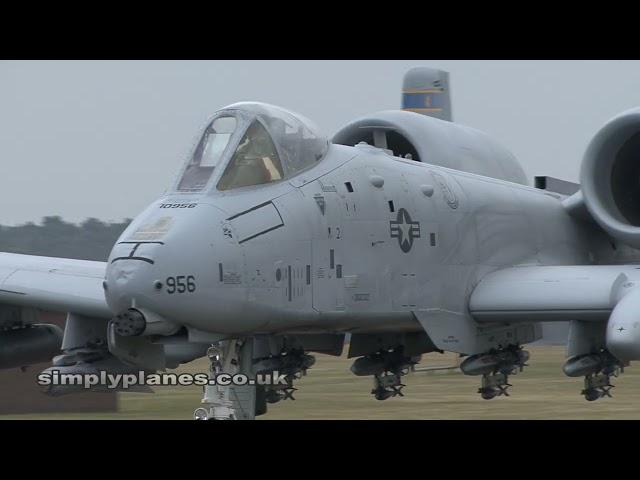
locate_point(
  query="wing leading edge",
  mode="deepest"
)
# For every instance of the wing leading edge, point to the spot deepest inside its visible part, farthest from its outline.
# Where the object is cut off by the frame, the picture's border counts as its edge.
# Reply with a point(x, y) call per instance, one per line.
point(552, 293)
point(54, 284)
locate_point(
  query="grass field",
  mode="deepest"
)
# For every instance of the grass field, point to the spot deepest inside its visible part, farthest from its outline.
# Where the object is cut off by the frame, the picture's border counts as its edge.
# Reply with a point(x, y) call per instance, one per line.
point(331, 391)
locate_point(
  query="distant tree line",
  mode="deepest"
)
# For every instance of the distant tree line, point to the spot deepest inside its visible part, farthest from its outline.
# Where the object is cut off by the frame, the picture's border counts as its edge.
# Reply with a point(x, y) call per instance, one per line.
point(91, 240)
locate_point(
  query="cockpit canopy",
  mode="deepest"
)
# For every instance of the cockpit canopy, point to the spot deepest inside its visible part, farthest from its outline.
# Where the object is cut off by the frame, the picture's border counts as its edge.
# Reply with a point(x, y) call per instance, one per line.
point(248, 144)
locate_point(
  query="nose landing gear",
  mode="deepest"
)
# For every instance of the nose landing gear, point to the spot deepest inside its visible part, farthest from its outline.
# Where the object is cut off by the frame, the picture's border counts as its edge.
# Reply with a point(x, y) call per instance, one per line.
point(228, 401)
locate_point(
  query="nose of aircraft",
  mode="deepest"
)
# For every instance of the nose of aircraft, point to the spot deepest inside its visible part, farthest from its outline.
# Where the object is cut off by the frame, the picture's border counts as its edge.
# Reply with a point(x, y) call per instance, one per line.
point(165, 262)
point(131, 275)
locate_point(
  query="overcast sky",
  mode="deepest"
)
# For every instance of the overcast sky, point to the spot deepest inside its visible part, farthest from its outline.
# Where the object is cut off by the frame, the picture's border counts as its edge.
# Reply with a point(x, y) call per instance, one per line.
point(105, 138)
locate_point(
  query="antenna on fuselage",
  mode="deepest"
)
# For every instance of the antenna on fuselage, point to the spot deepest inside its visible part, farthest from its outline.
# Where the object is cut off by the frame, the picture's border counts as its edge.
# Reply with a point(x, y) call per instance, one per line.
point(426, 91)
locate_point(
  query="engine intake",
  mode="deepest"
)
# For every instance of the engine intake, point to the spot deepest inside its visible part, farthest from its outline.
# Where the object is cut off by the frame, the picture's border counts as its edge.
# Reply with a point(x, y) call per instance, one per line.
point(610, 177)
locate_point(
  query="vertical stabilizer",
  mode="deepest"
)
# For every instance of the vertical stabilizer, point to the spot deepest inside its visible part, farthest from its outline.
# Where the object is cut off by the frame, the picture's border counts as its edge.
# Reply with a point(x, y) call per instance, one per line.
point(426, 90)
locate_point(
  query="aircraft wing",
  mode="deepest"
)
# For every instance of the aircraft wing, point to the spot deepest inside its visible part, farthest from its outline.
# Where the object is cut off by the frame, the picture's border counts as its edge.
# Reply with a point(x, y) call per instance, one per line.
point(555, 293)
point(54, 284)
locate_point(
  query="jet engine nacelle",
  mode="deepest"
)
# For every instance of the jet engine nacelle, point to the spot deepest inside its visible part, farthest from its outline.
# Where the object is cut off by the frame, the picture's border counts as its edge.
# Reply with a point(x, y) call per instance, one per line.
point(610, 177)
point(623, 328)
point(437, 142)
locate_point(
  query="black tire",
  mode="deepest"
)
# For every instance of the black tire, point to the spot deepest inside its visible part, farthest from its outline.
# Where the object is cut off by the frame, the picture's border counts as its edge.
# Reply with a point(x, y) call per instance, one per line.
point(261, 400)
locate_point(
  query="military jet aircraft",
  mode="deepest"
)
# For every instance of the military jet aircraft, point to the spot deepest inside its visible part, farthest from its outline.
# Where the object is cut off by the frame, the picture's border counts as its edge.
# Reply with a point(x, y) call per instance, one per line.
point(409, 232)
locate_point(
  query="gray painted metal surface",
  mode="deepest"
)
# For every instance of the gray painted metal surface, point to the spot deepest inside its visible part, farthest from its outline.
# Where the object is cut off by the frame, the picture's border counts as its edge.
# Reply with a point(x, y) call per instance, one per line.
point(408, 232)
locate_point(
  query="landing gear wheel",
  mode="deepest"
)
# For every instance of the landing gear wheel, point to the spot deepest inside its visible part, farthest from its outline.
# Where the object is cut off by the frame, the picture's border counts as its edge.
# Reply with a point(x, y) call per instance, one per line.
point(201, 414)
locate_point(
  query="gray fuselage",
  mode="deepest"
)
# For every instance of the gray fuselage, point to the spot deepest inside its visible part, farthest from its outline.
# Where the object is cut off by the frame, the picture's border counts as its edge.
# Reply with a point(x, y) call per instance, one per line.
point(356, 243)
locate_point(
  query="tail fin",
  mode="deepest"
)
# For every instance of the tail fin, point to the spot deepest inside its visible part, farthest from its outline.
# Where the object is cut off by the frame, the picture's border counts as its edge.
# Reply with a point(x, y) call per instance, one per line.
point(426, 90)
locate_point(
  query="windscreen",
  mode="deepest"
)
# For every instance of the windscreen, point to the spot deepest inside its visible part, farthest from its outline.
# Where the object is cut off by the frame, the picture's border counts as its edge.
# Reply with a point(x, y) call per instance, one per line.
point(249, 144)
point(255, 162)
point(208, 154)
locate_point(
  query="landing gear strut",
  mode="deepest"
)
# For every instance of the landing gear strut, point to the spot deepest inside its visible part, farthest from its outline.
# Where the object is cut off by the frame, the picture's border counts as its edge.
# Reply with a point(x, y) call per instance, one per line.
point(495, 368)
point(229, 401)
point(218, 405)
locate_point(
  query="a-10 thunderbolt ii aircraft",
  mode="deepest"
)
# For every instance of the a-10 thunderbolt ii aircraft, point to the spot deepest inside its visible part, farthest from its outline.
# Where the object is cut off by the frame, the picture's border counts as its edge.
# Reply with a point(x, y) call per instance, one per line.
point(410, 232)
